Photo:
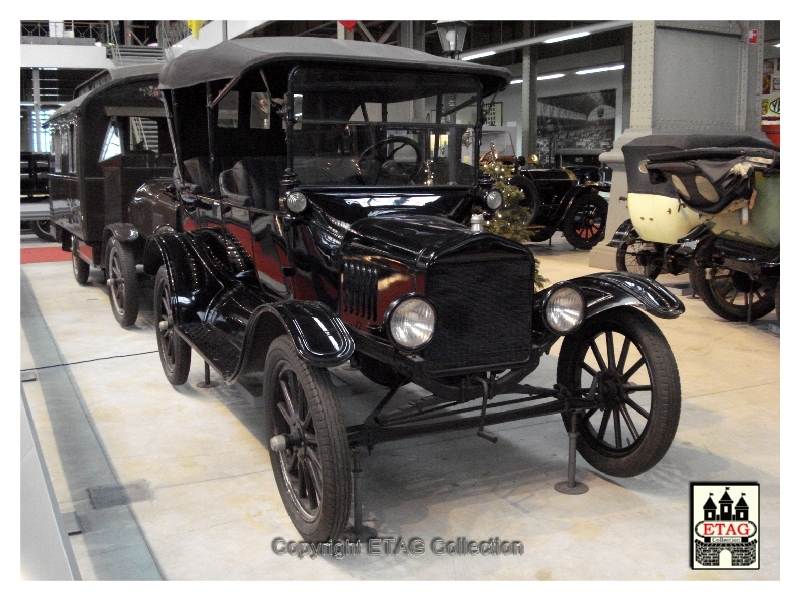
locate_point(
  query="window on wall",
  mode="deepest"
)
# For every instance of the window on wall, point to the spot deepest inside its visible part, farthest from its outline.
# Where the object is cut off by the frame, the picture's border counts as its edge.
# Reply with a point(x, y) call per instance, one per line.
point(72, 149)
point(56, 150)
point(111, 143)
point(228, 111)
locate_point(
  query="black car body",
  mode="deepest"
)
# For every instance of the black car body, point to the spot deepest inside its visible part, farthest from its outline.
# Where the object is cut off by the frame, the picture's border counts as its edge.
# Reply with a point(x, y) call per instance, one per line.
point(571, 198)
point(327, 198)
point(108, 143)
point(34, 193)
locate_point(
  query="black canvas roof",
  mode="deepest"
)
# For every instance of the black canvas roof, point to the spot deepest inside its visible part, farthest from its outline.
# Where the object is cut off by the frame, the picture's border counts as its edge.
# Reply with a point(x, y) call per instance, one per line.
point(639, 149)
point(229, 60)
point(108, 79)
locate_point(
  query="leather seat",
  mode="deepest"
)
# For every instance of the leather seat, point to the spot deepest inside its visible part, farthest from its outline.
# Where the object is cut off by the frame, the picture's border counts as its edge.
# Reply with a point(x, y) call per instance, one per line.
point(257, 177)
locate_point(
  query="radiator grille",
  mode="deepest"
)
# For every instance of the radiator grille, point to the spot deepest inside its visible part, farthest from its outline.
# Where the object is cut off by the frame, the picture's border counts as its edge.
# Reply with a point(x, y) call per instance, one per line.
point(483, 311)
point(360, 290)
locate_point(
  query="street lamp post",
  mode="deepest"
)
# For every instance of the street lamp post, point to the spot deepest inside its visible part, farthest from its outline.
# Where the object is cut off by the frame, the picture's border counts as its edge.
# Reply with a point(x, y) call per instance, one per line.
point(451, 36)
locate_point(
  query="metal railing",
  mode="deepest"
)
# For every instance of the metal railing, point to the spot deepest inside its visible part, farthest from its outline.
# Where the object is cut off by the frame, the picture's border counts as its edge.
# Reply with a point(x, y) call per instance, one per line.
point(96, 30)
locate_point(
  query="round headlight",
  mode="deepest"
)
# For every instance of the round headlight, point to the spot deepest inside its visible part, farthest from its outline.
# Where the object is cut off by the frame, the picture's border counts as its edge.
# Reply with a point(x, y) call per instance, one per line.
point(296, 201)
point(564, 309)
point(494, 199)
point(411, 323)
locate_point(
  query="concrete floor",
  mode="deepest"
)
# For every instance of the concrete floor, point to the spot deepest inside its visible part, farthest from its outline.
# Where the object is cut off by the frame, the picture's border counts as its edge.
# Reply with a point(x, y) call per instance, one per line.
point(203, 503)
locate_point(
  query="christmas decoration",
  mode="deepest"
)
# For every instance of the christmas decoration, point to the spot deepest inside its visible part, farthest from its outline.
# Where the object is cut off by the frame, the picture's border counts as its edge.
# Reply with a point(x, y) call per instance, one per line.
point(511, 219)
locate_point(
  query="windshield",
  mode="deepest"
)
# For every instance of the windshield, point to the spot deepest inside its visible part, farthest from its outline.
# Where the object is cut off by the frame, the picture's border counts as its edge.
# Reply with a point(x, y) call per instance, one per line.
point(365, 128)
point(497, 141)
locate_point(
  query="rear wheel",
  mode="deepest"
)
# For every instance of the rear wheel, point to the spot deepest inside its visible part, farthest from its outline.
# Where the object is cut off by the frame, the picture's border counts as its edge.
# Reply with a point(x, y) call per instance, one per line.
point(43, 230)
point(732, 294)
point(174, 352)
point(640, 257)
point(531, 201)
point(585, 220)
point(80, 268)
point(310, 454)
point(122, 282)
point(543, 234)
point(625, 358)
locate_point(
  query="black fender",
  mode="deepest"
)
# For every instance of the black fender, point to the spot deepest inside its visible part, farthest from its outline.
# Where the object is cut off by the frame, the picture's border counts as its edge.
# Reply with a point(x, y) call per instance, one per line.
point(570, 197)
point(319, 335)
point(186, 272)
point(125, 233)
point(604, 291)
point(624, 232)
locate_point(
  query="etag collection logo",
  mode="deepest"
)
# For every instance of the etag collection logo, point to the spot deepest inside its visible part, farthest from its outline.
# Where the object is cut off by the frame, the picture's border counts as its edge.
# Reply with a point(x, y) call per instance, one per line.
point(724, 521)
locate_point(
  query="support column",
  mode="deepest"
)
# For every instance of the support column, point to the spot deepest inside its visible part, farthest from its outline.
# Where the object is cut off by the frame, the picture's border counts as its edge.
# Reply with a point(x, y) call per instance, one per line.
point(686, 77)
point(529, 97)
point(37, 107)
point(342, 33)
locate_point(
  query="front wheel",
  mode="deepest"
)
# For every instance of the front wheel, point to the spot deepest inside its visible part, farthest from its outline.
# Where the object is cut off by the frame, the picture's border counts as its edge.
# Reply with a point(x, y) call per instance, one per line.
point(640, 257)
point(80, 268)
point(174, 352)
point(585, 221)
point(531, 199)
point(310, 454)
point(625, 358)
point(43, 230)
point(732, 294)
point(122, 283)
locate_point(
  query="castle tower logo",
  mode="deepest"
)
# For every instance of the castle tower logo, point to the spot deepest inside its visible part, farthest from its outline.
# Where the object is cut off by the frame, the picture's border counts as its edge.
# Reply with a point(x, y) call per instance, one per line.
point(724, 521)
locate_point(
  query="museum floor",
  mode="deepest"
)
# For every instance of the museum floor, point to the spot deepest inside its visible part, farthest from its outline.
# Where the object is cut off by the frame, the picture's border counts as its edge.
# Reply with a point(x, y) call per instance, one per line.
point(202, 502)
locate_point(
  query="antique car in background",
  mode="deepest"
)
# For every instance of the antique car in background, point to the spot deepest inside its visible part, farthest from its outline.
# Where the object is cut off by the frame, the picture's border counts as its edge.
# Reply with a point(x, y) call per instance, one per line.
point(330, 214)
point(559, 199)
point(709, 205)
point(34, 194)
point(107, 144)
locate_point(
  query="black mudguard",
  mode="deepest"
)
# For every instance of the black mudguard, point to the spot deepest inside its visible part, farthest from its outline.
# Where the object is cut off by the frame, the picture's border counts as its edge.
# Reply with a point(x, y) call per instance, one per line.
point(604, 291)
point(623, 232)
point(125, 233)
point(185, 270)
point(320, 337)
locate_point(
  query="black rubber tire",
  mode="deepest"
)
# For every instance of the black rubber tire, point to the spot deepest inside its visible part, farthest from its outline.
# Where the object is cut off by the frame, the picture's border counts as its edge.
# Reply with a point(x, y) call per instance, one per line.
point(631, 257)
point(313, 474)
point(123, 285)
point(43, 230)
point(80, 268)
point(727, 288)
point(531, 201)
point(778, 301)
point(175, 353)
point(378, 372)
point(585, 221)
point(636, 342)
point(544, 234)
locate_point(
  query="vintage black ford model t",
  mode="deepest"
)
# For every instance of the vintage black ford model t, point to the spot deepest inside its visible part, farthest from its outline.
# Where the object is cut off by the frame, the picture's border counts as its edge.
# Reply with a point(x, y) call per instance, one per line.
point(327, 205)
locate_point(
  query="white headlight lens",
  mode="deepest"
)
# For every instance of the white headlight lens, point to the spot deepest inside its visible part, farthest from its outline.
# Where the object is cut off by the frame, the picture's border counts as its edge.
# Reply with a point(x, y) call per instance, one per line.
point(412, 323)
point(494, 199)
point(565, 309)
point(296, 201)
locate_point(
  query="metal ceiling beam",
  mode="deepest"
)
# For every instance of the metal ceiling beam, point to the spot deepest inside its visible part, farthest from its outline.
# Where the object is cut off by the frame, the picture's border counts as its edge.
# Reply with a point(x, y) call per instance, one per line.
point(540, 39)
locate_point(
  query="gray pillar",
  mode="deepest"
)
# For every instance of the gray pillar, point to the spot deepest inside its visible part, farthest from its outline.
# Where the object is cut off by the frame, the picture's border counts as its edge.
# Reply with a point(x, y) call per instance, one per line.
point(342, 33)
point(412, 35)
point(37, 106)
point(686, 77)
point(529, 98)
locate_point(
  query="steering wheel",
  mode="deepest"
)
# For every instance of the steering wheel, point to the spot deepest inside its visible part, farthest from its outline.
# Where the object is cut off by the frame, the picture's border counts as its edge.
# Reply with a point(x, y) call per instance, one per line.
point(386, 165)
